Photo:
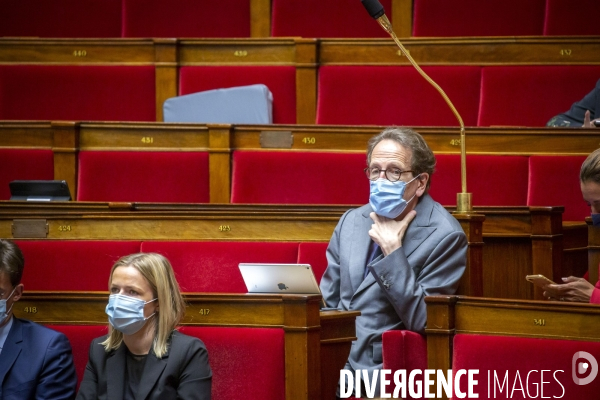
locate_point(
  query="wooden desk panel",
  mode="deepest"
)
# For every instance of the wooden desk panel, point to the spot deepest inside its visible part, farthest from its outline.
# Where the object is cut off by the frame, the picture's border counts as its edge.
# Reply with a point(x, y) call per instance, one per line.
point(442, 140)
point(532, 50)
point(77, 51)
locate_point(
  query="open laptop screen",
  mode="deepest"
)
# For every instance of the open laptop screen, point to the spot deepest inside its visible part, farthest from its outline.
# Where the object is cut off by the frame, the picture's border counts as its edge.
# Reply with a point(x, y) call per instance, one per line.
point(279, 278)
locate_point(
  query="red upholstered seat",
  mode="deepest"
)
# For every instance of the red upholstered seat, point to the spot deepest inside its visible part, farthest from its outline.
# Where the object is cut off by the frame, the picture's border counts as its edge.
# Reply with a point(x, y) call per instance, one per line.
point(554, 181)
point(396, 95)
point(313, 253)
point(478, 18)
point(247, 363)
point(24, 164)
point(77, 265)
point(531, 95)
point(506, 356)
point(493, 180)
point(325, 18)
point(81, 337)
point(281, 81)
point(213, 266)
point(404, 350)
point(61, 18)
point(571, 17)
point(51, 92)
point(284, 177)
point(140, 176)
point(186, 18)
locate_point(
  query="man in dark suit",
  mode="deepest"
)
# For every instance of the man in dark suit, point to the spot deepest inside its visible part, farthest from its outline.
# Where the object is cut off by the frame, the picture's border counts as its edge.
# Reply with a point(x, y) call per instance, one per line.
point(584, 113)
point(386, 256)
point(35, 362)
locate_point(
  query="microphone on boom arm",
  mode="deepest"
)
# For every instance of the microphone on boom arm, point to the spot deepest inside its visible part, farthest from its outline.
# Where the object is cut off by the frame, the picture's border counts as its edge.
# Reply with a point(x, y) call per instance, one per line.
point(375, 10)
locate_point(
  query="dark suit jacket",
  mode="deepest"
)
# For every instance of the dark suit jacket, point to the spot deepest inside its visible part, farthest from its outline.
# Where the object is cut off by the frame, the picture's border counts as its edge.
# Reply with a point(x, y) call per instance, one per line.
point(431, 261)
point(36, 363)
point(183, 373)
point(574, 117)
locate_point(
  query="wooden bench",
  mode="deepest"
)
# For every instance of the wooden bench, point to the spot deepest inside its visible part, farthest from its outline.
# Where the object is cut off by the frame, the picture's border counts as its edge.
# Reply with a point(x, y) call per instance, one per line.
point(505, 243)
point(316, 344)
point(302, 57)
point(221, 142)
point(28, 56)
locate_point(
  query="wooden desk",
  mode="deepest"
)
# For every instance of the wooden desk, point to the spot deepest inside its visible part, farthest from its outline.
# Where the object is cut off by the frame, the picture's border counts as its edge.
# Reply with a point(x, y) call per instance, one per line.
point(530, 50)
point(317, 343)
point(450, 315)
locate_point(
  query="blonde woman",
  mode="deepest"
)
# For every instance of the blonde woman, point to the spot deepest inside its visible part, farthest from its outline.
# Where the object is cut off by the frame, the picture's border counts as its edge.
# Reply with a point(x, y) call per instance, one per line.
point(143, 356)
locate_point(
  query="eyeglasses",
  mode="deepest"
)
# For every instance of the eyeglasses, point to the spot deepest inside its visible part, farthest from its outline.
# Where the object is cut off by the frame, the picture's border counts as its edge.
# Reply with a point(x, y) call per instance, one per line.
point(392, 174)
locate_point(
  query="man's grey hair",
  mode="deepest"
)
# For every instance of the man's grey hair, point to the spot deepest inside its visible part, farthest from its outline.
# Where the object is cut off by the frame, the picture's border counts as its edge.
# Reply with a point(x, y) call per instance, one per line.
point(422, 158)
point(590, 169)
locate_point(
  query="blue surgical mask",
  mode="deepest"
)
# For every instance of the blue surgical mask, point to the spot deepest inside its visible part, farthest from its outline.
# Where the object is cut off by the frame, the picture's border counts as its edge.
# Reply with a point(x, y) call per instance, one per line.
point(3, 311)
point(386, 197)
point(596, 219)
point(126, 313)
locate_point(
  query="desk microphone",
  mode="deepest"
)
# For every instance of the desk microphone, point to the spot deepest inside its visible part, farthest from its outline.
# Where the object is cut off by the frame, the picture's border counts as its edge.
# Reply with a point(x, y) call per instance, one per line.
point(463, 199)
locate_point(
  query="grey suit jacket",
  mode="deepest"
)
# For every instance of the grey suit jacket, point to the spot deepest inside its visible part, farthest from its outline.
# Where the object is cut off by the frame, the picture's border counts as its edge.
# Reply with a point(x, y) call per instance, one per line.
point(431, 261)
point(183, 373)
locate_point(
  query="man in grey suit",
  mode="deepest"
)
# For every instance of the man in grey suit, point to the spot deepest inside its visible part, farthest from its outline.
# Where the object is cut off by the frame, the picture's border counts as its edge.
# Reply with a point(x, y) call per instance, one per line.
point(386, 256)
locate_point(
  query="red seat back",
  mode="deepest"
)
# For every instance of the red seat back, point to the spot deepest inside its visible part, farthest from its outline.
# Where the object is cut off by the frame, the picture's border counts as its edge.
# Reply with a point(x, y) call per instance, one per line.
point(313, 253)
point(404, 350)
point(396, 95)
point(246, 363)
point(50, 92)
point(531, 95)
point(78, 265)
point(186, 18)
point(213, 266)
point(570, 17)
point(281, 81)
point(140, 176)
point(493, 180)
point(325, 18)
point(506, 356)
point(81, 337)
point(24, 164)
point(478, 18)
point(284, 177)
point(554, 181)
point(61, 18)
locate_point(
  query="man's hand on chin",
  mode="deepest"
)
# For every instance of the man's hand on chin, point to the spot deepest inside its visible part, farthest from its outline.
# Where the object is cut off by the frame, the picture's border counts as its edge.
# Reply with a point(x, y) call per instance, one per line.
point(388, 233)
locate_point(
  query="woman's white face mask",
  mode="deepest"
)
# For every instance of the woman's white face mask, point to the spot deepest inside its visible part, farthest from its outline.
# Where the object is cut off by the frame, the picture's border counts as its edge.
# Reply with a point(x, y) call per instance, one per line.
point(126, 313)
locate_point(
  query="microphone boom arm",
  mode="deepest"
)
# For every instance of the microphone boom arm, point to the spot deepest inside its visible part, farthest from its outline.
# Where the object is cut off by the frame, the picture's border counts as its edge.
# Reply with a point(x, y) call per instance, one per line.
point(463, 199)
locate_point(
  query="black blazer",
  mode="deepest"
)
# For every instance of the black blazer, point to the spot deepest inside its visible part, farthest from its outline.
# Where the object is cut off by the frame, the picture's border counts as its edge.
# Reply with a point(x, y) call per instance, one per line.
point(183, 373)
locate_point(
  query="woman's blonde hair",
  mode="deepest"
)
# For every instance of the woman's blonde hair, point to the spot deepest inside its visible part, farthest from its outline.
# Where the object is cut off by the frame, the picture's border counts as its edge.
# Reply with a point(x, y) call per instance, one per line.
point(157, 270)
point(590, 169)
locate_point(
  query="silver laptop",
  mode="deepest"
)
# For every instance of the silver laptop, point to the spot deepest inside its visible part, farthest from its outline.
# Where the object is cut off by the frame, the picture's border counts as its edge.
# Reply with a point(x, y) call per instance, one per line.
point(279, 278)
